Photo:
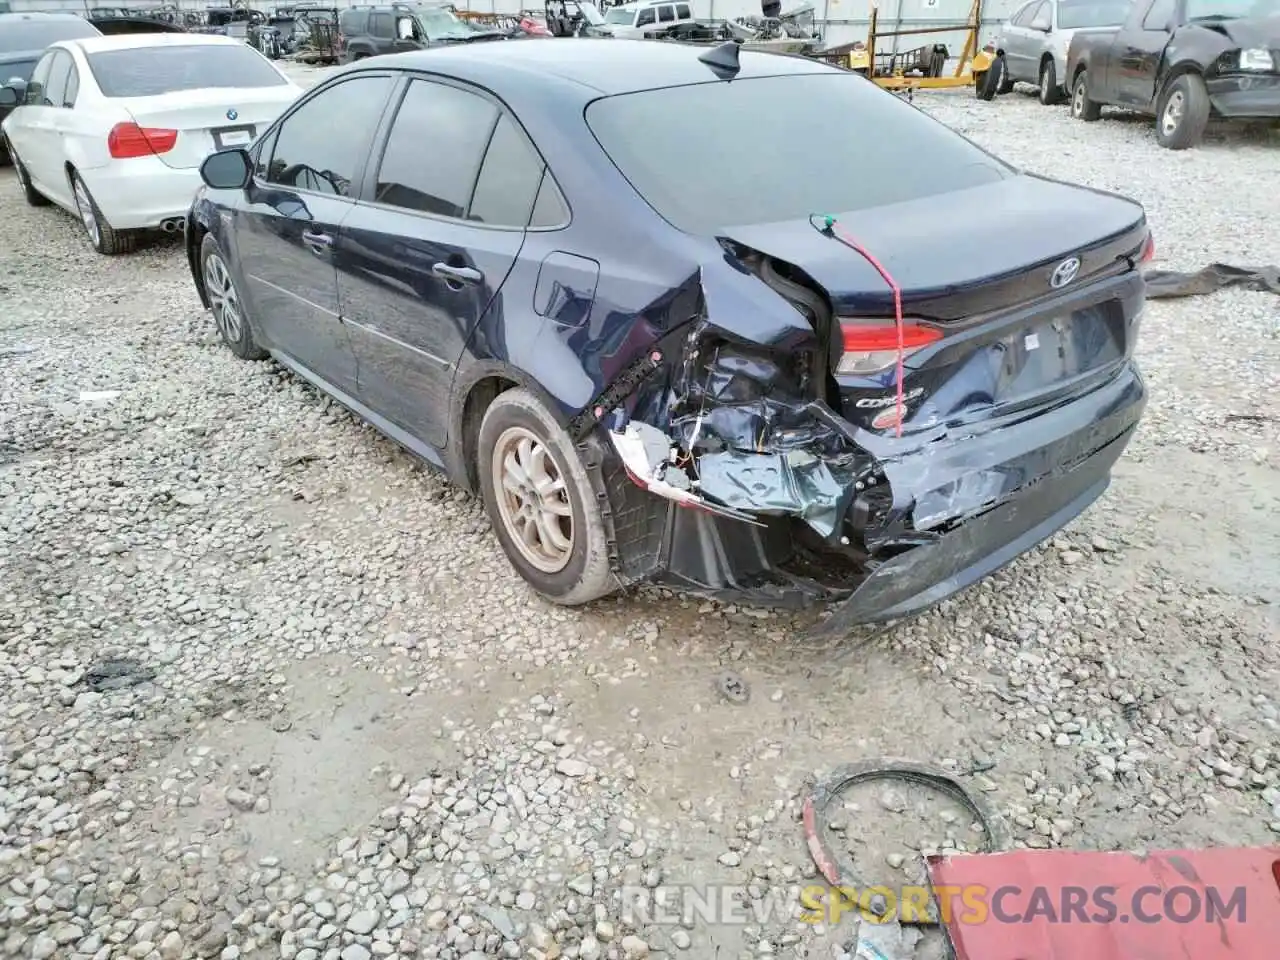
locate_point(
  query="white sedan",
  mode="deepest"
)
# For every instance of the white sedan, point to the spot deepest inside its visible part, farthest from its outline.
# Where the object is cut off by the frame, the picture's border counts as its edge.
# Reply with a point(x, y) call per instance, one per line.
point(114, 129)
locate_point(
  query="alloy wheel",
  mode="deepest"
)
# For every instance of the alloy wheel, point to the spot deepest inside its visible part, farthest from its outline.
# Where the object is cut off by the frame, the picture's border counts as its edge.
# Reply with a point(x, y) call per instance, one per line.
point(223, 299)
point(84, 204)
point(1174, 111)
point(533, 499)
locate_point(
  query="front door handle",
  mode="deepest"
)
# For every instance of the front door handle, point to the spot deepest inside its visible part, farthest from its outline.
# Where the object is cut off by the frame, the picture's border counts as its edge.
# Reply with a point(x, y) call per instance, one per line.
point(447, 271)
point(322, 241)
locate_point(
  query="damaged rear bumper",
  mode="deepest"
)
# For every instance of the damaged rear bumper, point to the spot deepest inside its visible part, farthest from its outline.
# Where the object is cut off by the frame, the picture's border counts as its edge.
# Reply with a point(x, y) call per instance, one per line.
point(963, 506)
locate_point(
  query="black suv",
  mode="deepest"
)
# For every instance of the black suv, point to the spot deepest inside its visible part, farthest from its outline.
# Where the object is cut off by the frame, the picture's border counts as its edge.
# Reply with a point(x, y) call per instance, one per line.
point(23, 37)
point(368, 31)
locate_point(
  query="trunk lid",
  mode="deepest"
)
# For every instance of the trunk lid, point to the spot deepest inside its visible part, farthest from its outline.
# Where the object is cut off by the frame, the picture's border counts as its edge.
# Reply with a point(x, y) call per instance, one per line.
point(211, 119)
point(1008, 338)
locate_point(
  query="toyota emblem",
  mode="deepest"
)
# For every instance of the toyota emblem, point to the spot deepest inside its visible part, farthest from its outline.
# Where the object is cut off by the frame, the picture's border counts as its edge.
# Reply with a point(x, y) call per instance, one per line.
point(231, 115)
point(1064, 273)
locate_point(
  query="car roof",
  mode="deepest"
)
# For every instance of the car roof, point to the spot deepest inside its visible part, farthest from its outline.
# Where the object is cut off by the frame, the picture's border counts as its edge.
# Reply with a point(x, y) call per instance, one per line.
point(137, 41)
point(33, 15)
point(608, 66)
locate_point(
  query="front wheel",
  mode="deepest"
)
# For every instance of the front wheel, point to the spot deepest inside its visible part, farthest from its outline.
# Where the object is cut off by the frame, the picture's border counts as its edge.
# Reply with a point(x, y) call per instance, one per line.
point(1184, 113)
point(225, 303)
point(540, 501)
point(1082, 107)
point(1050, 92)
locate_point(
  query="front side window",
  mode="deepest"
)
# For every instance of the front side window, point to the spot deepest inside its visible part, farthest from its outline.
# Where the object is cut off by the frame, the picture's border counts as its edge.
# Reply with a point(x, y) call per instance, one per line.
point(152, 71)
point(441, 24)
point(683, 11)
point(322, 145)
point(1160, 14)
point(670, 144)
point(646, 17)
point(667, 14)
point(1043, 19)
point(56, 88)
point(434, 150)
point(39, 79)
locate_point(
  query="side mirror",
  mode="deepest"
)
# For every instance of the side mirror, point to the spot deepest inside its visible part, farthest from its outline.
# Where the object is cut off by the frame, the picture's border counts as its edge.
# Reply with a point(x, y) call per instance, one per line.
point(227, 169)
point(13, 93)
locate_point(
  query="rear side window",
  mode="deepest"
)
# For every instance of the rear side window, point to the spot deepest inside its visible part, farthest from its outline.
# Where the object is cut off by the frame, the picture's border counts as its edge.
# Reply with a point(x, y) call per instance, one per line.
point(73, 87)
point(666, 14)
point(683, 12)
point(152, 71)
point(549, 209)
point(322, 144)
point(434, 150)
point(380, 25)
point(670, 144)
point(509, 179)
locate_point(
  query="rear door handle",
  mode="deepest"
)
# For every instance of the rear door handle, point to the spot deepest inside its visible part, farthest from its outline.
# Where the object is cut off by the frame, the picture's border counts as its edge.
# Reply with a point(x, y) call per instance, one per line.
point(313, 239)
point(447, 271)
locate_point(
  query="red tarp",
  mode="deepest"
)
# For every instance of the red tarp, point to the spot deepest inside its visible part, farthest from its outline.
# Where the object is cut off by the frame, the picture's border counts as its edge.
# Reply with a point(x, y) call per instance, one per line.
point(1167, 905)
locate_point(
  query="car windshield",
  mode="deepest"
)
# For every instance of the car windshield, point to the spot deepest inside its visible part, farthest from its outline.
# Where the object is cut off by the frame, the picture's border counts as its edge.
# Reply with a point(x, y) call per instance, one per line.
point(18, 70)
point(152, 71)
point(702, 160)
point(1231, 9)
point(441, 24)
point(1074, 14)
point(620, 15)
point(38, 34)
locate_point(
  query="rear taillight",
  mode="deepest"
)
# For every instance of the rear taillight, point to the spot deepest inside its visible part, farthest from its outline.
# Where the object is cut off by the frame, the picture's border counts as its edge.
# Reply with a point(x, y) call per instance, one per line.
point(872, 345)
point(1148, 250)
point(130, 140)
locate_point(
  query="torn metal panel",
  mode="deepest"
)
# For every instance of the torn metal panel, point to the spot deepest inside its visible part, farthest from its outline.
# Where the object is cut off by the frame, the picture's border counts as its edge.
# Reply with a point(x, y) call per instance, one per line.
point(795, 483)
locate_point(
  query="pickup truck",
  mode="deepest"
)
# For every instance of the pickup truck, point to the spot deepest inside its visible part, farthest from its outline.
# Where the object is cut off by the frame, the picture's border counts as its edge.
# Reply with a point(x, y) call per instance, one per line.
point(1183, 62)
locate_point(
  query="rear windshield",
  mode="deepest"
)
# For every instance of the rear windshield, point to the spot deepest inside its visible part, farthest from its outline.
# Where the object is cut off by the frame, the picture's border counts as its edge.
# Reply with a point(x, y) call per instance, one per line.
point(1074, 14)
point(17, 70)
point(722, 154)
point(151, 71)
point(18, 34)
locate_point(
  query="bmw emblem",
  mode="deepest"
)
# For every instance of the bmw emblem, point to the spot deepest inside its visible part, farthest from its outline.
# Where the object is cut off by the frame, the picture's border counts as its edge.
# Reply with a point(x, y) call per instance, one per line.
point(1064, 273)
point(231, 115)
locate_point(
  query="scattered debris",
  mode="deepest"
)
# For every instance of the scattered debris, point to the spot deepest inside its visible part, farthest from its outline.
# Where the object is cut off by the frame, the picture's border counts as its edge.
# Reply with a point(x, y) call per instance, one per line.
point(98, 397)
point(107, 675)
point(732, 687)
point(867, 771)
point(1168, 284)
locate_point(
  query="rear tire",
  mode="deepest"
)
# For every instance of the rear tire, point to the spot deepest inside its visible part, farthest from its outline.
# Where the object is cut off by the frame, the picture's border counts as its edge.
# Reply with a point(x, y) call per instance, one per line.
point(540, 501)
point(33, 196)
point(102, 236)
point(1050, 92)
point(1083, 108)
point(1183, 113)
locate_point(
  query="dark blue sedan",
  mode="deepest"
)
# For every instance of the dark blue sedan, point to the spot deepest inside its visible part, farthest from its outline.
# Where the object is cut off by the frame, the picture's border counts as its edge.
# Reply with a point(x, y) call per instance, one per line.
point(737, 322)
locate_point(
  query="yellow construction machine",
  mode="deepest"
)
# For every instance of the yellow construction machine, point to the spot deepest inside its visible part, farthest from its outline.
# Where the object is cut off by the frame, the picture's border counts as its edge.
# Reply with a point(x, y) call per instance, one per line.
point(921, 68)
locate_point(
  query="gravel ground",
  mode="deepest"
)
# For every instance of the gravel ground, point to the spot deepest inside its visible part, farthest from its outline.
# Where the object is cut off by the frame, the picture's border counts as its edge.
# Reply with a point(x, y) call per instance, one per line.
point(340, 727)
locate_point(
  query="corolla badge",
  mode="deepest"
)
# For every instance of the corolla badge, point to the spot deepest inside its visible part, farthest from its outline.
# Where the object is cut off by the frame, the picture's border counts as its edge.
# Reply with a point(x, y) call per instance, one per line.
point(232, 115)
point(1064, 273)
